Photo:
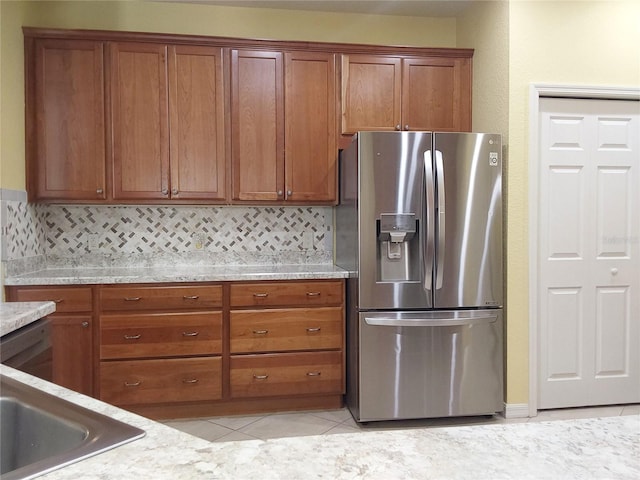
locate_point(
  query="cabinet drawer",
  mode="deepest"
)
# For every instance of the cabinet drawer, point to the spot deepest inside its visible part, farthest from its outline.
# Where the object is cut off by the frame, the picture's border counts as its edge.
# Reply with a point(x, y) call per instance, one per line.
point(165, 298)
point(286, 329)
point(161, 381)
point(160, 334)
point(286, 374)
point(268, 294)
point(67, 300)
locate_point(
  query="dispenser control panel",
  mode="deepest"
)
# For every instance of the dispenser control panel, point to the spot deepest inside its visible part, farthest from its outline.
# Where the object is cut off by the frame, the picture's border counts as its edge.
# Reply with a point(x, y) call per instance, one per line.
point(397, 227)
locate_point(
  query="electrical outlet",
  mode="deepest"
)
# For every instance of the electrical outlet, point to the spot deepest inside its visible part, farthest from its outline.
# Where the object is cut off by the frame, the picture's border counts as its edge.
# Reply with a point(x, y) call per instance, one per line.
point(199, 240)
point(93, 242)
point(307, 240)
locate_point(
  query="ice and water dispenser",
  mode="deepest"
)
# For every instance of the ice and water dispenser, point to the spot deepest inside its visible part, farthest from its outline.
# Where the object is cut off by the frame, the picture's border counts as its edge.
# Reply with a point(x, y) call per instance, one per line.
point(398, 252)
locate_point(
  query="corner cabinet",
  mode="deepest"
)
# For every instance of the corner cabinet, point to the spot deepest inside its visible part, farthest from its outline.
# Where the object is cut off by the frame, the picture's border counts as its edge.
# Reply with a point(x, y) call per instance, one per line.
point(283, 130)
point(167, 125)
point(405, 93)
point(72, 332)
point(65, 147)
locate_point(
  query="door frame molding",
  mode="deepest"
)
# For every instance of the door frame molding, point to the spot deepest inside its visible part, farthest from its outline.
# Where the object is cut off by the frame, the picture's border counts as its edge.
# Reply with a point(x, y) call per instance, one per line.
point(537, 91)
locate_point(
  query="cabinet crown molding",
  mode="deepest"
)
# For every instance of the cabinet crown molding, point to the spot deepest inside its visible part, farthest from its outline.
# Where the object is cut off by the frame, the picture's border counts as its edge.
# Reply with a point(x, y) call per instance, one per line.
point(232, 42)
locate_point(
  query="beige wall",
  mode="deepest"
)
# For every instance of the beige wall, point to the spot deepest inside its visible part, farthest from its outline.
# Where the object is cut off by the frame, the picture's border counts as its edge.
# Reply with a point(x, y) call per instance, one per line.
point(584, 43)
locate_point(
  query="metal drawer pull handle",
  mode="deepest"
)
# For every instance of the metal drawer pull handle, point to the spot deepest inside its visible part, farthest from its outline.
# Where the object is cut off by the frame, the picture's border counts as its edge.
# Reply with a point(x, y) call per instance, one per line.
point(313, 329)
point(132, 384)
point(260, 295)
point(261, 332)
point(313, 294)
point(59, 300)
point(190, 334)
point(132, 299)
point(261, 377)
point(132, 337)
point(191, 381)
point(191, 297)
point(314, 374)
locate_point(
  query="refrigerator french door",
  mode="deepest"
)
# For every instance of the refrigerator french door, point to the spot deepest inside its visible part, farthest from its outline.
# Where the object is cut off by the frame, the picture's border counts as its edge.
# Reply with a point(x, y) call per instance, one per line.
point(419, 225)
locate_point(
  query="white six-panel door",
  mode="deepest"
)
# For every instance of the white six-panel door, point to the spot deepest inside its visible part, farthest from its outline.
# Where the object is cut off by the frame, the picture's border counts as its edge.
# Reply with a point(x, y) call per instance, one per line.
point(589, 252)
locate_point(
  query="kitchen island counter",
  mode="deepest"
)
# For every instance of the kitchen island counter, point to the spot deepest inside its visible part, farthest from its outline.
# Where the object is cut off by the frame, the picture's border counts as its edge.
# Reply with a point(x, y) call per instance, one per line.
point(14, 315)
point(598, 448)
point(191, 273)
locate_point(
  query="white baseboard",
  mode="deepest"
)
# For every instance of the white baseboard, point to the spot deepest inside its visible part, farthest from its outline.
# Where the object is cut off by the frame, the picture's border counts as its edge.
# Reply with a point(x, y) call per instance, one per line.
point(516, 410)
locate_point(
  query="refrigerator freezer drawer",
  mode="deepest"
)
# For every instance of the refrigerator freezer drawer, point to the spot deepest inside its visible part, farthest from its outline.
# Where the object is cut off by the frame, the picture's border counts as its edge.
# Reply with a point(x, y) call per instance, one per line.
point(428, 364)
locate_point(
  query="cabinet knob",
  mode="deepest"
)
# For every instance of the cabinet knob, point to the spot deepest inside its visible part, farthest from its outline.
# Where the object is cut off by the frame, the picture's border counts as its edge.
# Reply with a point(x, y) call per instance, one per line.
point(398, 127)
point(165, 191)
point(289, 193)
point(406, 127)
point(279, 193)
point(99, 191)
point(85, 324)
point(174, 191)
point(614, 271)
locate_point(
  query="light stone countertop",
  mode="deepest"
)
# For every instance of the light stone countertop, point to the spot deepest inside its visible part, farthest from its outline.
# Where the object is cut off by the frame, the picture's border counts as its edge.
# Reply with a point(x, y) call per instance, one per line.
point(215, 273)
point(597, 448)
point(14, 315)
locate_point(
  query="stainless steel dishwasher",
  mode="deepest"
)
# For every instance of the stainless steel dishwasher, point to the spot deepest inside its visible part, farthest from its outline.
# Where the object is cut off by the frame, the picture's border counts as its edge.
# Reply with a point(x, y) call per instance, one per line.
point(28, 349)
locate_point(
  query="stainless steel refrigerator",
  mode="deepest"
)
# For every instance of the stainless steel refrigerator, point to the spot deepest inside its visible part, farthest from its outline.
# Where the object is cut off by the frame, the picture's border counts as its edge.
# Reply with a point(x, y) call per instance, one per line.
point(419, 226)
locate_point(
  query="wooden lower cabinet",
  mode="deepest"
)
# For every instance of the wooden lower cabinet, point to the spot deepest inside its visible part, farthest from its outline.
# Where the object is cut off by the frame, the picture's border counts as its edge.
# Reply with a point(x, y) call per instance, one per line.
point(200, 349)
point(161, 380)
point(72, 351)
point(72, 332)
point(286, 374)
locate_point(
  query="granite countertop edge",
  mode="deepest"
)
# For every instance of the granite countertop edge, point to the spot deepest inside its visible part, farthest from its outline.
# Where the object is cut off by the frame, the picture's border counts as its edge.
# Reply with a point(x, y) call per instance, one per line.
point(15, 315)
point(168, 274)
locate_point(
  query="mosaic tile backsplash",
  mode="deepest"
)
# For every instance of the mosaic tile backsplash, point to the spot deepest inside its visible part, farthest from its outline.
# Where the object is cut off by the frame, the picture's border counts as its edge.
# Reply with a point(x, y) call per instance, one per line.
point(125, 235)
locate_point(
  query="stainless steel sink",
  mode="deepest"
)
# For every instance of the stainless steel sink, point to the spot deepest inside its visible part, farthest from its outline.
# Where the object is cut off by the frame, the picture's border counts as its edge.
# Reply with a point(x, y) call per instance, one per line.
point(40, 432)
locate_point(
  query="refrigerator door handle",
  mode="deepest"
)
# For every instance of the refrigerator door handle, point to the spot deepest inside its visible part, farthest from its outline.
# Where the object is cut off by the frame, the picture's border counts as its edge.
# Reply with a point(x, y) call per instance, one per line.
point(429, 322)
point(430, 207)
point(441, 220)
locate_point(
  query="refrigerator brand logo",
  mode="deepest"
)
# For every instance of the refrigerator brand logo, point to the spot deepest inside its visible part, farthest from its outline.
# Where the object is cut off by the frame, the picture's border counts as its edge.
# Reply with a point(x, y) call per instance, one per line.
point(491, 303)
point(493, 159)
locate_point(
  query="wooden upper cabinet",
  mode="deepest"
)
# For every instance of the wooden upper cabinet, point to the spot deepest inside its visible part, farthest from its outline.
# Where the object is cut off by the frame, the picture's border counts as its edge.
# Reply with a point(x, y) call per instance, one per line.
point(436, 94)
point(167, 111)
point(140, 120)
point(413, 93)
point(283, 126)
point(371, 87)
point(310, 127)
point(65, 120)
point(257, 125)
point(197, 136)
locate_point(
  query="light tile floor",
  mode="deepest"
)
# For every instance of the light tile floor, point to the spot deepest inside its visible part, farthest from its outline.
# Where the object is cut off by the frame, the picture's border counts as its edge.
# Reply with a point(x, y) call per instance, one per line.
point(327, 422)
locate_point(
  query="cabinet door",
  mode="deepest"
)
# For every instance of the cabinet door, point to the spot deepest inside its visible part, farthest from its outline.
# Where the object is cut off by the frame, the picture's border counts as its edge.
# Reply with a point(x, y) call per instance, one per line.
point(139, 121)
point(310, 127)
point(196, 107)
point(257, 125)
point(69, 154)
point(371, 88)
point(72, 348)
point(436, 94)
